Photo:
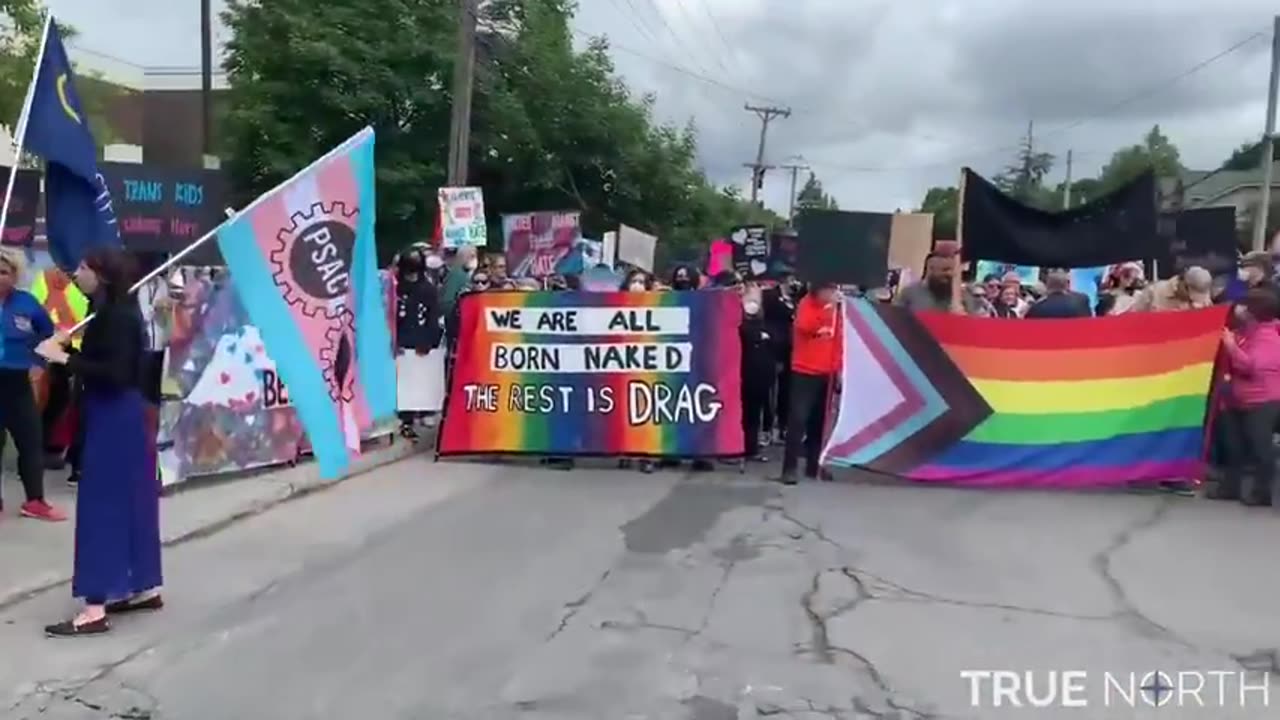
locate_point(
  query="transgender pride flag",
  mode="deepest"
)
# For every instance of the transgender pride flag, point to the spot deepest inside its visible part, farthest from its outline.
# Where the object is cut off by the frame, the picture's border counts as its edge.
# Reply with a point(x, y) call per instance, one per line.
point(304, 264)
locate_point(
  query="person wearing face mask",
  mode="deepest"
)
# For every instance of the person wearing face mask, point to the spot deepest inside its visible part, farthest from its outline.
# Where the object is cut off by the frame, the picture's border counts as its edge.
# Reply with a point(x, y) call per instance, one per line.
point(479, 282)
point(815, 365)
point(637, 281)
point(934, 292)
point(759, 367)
point(1253, 360)
point(419, 376)
point(684, 278)
point(780, 315)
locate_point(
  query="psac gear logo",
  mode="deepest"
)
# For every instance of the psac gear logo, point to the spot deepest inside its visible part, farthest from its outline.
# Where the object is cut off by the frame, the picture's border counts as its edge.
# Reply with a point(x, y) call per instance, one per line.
point(311, 264)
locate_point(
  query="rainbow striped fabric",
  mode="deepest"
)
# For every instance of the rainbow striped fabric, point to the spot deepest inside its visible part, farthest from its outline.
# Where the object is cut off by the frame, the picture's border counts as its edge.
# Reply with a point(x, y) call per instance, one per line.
point(1096, 401)
point(583, 373)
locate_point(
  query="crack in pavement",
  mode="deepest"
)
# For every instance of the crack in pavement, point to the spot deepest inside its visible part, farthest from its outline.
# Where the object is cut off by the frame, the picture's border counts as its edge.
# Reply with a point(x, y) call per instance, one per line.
point(574, 606)
point(1128, 610)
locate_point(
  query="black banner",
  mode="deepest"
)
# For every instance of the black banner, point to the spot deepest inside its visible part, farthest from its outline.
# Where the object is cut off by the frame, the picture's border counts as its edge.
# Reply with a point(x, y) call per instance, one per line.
point(1205, 237)
point(163, 210)
point(847, 248)
point(20, 224)
point(1119, 227)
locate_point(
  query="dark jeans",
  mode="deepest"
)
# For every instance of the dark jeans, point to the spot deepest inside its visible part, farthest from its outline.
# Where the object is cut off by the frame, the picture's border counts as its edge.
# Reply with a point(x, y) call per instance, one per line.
point(19, 416)
point(755, 401)
point(1250, 451)
point(775, 413)
point(806, 420)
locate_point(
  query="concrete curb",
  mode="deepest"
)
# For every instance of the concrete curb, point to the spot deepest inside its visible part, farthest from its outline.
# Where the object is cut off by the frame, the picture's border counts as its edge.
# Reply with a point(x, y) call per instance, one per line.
point(288, 484)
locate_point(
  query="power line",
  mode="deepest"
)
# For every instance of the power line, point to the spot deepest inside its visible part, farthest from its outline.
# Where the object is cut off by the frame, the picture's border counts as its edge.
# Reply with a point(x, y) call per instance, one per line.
point(717, 55)
point(1140, 95)
point(672, 33)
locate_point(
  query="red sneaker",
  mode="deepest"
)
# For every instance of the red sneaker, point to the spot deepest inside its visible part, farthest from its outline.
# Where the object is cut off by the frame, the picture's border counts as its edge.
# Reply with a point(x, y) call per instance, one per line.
point(41, 510)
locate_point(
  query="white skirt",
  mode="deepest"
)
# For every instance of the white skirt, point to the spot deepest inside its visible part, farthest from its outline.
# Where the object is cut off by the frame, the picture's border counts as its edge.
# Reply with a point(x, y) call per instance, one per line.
point(420, 381)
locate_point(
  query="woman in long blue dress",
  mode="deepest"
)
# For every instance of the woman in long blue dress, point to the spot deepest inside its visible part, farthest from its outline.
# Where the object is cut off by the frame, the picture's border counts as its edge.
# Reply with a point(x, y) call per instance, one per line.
point(117, 555)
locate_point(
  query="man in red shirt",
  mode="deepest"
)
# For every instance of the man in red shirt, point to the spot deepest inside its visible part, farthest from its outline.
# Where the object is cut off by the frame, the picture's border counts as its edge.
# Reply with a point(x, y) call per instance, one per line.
point(815, 364)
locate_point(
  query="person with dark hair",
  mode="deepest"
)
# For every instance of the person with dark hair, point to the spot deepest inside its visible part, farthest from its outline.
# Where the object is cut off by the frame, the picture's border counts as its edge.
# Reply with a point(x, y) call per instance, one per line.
point(684, 277)
point(934, 292)
point(419, 375)
point(758, 371)
point(727, 279)
point(780, 315)
point(117, 558)
point(815, 365)
point(24, 324)
point(1253, 360)
point(1059, 300)
point(637, 281)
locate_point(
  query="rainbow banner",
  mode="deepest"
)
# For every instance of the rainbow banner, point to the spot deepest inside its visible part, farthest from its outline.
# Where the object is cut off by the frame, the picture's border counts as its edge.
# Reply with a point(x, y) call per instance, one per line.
point(581, 373)
point(977, 401)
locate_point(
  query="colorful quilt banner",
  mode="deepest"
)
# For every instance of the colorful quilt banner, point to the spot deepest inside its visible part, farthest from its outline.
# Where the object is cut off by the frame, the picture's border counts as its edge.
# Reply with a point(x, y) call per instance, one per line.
point(579, 373)
point(979, 401)
point(303, 258)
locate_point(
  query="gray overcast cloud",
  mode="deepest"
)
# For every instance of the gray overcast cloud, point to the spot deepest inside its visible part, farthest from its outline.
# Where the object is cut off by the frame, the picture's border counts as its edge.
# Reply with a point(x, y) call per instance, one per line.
point(889, 98)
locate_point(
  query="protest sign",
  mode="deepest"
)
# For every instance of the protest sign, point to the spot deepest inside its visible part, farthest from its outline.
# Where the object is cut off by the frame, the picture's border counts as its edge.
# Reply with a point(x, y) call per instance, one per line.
point(462, 217)
point(537, 242)
point(750, 248)
point(20, 223)
point(636, 248)
point(580, 373)
point(163, 210)
point(846, 248)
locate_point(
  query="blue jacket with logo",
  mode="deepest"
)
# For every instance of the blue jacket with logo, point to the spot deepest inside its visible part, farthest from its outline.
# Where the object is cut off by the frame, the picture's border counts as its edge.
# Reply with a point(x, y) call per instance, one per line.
point(23, 324)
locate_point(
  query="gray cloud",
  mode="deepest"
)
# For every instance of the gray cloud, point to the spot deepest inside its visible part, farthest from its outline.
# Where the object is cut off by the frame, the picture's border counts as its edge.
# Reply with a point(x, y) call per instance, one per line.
point(889, 97)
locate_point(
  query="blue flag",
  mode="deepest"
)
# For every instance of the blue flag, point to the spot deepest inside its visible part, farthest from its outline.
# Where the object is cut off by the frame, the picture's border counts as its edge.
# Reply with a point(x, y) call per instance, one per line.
point(78, 211)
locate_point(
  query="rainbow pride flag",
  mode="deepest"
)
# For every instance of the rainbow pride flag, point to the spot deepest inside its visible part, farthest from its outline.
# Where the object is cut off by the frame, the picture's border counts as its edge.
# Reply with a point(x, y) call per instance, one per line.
point(597, 373)
point(1093, 401)
point(304, 263)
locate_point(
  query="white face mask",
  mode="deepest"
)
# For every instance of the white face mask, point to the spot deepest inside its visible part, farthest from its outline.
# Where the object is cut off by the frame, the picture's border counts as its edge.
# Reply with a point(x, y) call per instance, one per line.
point(471, 264)
point(1245, 274)
point(637, 286)
point(750, 307)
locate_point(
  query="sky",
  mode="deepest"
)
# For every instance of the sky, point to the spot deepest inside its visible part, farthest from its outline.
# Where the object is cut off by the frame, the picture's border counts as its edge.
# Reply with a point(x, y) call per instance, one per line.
point(887, 98)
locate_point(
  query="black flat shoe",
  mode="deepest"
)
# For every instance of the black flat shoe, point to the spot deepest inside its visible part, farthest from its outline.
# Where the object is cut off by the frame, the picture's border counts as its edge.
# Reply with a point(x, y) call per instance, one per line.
point(121, 607)
point(787, 479)
point(69, 629)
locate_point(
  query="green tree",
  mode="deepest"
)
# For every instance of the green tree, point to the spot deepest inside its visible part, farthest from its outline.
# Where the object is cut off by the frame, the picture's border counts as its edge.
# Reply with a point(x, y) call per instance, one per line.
point(813, 197)
point(305, 76)
point(20, 24)
point(1024, 177)
point(1154, 152)
point(1249, 156)
point(943, 202)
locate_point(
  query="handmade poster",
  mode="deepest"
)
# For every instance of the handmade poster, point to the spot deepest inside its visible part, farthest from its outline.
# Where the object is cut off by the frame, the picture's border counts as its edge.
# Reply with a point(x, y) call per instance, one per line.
point(719, 257)
point(750, 248)
point(581, 373)
point(20, 223)
point(233, 412)
point(842, 247)
point(982, 401)
point(601, 279)
point(609, 249)
point(910, 240)
point(1088, 281)
point(462, 217)
point(163, 210)
point(537, 242)
point(636, 248)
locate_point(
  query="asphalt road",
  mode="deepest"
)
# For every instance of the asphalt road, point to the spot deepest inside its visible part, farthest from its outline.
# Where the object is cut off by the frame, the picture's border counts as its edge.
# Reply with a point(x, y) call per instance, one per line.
point(495, 592)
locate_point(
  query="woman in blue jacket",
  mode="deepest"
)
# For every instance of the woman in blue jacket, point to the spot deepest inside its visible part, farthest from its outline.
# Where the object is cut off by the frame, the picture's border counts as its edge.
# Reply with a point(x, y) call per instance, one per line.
point(24, 323)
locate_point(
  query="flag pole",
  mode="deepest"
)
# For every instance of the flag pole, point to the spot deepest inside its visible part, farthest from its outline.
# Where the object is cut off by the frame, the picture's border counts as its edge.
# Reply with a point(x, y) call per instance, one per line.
point(20, 130)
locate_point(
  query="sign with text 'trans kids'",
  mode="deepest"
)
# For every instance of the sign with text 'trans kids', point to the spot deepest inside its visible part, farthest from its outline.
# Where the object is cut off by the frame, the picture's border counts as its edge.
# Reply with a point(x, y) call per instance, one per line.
point(580, 373)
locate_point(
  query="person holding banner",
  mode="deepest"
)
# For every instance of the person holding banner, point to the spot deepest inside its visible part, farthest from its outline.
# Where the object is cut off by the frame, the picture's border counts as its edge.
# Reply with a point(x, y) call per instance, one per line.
point(1253, 360)
point(758, 370)
point(24, 324)
point(117, 538)
point(815, 363)
point(419, 362)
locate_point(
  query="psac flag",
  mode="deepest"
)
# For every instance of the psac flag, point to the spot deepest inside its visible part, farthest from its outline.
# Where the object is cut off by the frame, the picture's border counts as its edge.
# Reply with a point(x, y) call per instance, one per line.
point(1093, 401)
point(304, 263)
point(581, 373)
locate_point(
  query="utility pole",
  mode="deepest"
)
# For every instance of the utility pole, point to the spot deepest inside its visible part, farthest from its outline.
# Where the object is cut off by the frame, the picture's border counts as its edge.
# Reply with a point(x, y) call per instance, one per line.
point(1066, 187)
point(795, 171)
point(1268, 142)
point(767, 114)
point(206, 77)
point(463, 81)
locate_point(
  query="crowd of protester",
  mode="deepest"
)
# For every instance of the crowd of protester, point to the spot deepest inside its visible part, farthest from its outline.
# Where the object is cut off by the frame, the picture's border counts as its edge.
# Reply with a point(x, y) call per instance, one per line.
point(791, 339)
